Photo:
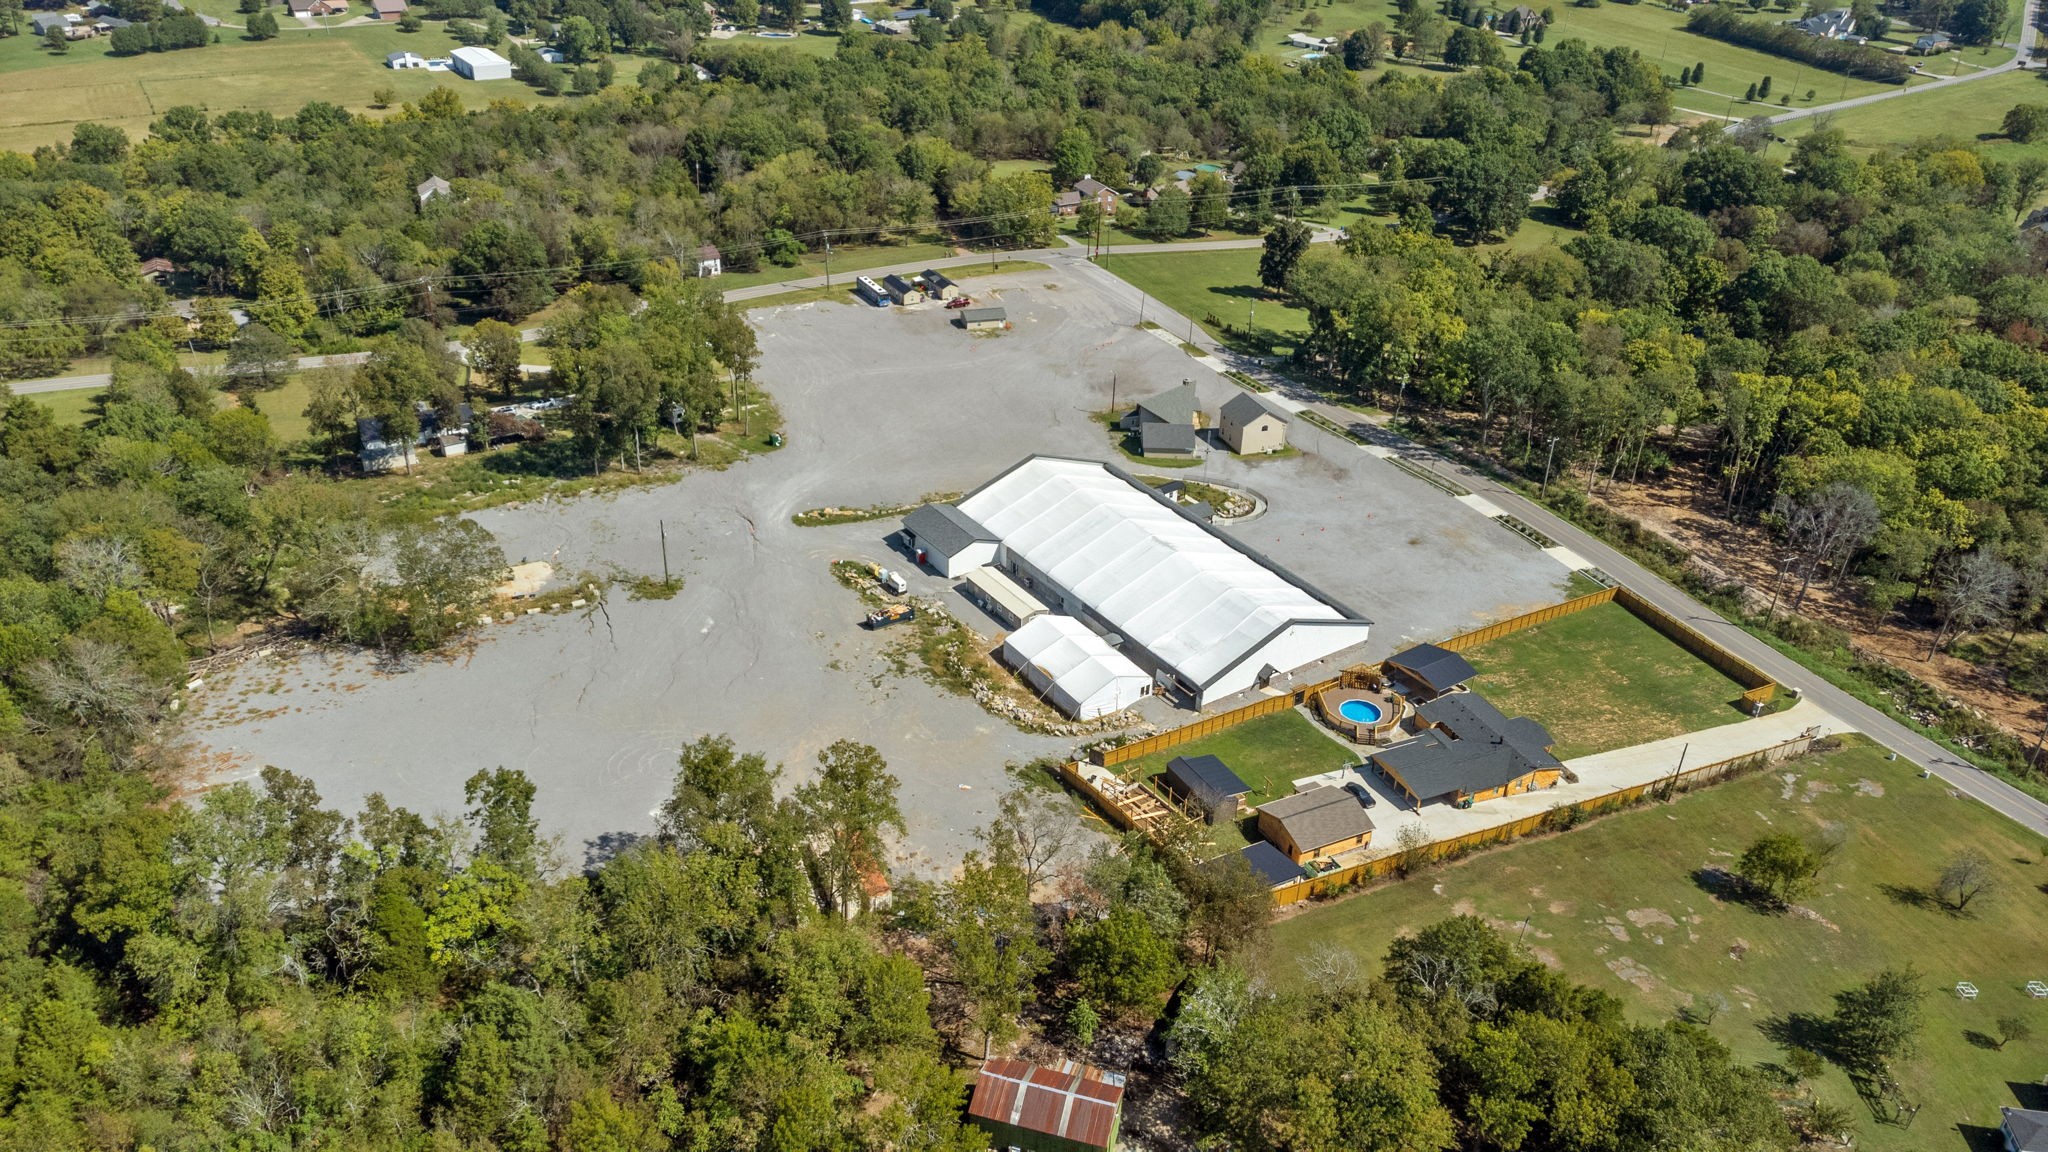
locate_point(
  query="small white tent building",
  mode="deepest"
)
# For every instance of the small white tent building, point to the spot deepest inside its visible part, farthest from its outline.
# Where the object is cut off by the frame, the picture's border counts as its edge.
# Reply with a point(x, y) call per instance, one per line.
point(1072, 667)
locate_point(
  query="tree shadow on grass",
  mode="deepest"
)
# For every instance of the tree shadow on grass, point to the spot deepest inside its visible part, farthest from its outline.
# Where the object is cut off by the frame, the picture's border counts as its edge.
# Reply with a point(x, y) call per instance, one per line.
point(1728, 888)
point(1805, 1030)
point(1980, 1040)
point(1912, 896)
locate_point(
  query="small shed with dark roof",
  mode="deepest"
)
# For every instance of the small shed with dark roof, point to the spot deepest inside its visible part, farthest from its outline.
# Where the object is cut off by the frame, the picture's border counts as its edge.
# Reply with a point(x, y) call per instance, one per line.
point(901, 290)
point(1430, 670)
point(1270, 864)
point(1318, 821)
point(1071, 1108)
point(1471, 751)
point(948, 540)
point(937, 285)
point(1208, 785)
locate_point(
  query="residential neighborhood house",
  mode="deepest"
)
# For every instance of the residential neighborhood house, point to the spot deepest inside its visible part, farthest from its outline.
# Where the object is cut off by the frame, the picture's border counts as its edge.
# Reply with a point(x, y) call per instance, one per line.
point(710, 262)
point(387, 9)
point(1836, 24)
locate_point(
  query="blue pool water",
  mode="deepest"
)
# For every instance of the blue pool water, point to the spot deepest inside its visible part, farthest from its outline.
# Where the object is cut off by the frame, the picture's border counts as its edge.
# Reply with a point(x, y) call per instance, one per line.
point(1360, 711)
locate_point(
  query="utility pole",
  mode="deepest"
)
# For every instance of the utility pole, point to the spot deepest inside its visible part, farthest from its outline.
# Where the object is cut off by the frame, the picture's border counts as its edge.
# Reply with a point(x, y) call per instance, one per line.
point(828, 263)
point(664, 550)
point(1547, 458)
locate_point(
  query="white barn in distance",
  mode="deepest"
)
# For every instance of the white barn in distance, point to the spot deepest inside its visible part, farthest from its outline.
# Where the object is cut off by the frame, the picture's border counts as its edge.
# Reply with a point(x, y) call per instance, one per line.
point(474, 63)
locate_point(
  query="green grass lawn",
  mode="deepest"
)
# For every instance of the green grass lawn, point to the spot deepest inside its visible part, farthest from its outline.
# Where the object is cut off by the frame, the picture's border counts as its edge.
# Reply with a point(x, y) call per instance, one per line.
point(1602, 679)
point(1972, 114)
point(1268, 754)
point(42, 94)
point(848, 261)
point(1222, 284)
point(1616, 904)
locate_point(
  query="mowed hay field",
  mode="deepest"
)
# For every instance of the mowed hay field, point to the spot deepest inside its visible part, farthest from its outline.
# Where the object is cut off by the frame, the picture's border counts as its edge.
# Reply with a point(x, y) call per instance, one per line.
point(42, 96)
point(1970, 114)
point(1621, 904)
point(1602, 679)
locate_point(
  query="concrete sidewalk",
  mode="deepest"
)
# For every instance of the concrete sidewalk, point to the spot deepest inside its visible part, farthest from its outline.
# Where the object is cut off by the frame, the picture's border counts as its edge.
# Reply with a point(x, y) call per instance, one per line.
point(1599, 775)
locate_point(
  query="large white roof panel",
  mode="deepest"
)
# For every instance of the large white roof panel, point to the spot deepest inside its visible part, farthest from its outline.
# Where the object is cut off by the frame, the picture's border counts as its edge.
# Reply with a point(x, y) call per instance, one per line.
point(1190, 598)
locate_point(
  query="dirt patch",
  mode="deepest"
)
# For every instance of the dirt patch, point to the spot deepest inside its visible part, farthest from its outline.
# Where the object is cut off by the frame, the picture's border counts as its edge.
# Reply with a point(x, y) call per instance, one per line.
point(1816, 788)
point(1464, 907)
point(1791, 784)
point(1805, 913)
point(1560, 908)
point(1546, 957)
point(1869, 788)
point(1615, 929)
point(1644, 917)
point(1627, 969)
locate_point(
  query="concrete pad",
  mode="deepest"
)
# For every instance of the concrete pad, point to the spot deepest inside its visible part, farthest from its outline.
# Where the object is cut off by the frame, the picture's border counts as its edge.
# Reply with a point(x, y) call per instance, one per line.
point(1572, 561)
point(1599, 775)
point(1481, 505)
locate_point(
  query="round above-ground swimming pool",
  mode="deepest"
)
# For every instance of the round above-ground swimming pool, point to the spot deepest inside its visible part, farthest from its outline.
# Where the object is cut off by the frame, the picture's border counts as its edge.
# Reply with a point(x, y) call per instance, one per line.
point(1362, 715)
point(1360, 711)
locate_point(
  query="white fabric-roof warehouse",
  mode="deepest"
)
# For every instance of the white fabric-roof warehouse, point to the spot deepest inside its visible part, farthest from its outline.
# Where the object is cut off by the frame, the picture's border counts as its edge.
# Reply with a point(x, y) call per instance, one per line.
point(1208, 611)
point(1084, 677)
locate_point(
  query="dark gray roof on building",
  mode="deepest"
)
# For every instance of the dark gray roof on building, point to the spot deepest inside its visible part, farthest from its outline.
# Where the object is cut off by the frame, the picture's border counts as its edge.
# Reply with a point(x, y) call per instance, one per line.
point(934, 280)
point(1206, 778)
point(1174, 438)
point(1245, 407)
point(982, 315)
point(1319, 816)
point(897, 284)
point(2027, 1129)
point(944, 528)
point(1269, 864)
point(1475, 749)
point(1175, 406)
point(1439, 669)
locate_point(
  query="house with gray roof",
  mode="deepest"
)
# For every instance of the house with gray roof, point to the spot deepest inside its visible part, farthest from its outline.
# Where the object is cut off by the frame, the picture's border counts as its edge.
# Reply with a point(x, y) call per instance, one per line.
point(1470, 751)
point(948, 540)
point(1155, 439)
point(1207, 785)
point(1318, 821)
point(1174, 406)
point(2024, 1129)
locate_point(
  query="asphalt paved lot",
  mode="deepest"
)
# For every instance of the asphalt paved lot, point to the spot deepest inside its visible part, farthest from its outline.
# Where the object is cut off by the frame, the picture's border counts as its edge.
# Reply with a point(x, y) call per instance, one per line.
point(880, 406)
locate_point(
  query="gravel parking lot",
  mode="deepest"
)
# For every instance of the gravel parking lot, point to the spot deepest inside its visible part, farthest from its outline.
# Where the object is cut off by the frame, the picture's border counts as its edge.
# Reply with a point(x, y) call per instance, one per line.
point(880, 406)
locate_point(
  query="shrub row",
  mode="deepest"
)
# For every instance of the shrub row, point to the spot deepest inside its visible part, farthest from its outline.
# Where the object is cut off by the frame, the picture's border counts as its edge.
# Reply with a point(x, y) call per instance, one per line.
point(1858, 60)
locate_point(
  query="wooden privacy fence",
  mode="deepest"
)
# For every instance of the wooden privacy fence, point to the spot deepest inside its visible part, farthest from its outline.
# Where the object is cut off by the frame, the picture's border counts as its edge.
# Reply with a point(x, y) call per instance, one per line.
point(1207, 726)
point(1758, 687)
point(1559, 819)
point(1512, 624)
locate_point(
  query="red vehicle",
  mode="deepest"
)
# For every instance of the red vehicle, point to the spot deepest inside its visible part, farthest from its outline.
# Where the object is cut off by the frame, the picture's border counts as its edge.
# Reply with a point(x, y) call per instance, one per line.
point(959, 301)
